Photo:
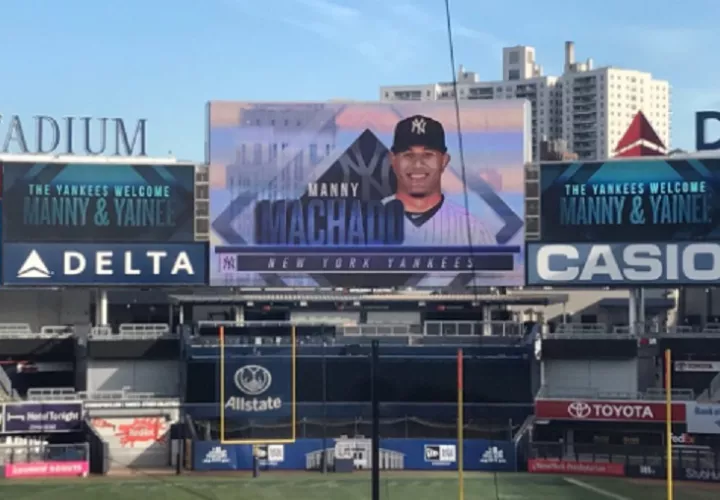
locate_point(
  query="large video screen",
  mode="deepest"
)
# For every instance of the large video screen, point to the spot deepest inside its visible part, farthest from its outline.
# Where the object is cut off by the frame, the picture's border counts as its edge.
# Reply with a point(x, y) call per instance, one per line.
point(367, 194)
point(630, 201)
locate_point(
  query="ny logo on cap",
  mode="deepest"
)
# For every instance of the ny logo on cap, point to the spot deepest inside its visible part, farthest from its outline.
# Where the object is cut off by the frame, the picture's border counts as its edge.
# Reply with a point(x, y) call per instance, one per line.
point(418, 126)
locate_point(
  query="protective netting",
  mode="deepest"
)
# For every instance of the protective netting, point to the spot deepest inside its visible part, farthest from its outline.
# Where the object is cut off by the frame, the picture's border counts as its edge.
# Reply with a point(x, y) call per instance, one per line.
point(406, 427)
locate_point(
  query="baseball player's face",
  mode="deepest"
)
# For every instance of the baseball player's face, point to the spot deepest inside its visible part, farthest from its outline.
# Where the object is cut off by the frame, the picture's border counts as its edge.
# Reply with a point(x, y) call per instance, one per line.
point(419, 170)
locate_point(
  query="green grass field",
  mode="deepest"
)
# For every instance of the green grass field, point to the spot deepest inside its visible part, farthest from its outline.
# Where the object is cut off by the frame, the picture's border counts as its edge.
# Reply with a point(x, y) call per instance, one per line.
point(307, 486)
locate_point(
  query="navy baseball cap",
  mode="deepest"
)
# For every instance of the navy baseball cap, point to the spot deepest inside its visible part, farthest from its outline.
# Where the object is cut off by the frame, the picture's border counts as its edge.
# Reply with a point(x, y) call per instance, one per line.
point(419, 130)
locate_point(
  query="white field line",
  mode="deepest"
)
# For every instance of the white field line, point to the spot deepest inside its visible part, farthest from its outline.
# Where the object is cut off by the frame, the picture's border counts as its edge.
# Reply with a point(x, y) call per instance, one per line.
point(595, 489)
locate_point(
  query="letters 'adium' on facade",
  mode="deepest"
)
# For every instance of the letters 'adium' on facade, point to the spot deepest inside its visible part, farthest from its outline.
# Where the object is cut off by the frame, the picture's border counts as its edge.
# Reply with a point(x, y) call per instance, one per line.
point(72, 135)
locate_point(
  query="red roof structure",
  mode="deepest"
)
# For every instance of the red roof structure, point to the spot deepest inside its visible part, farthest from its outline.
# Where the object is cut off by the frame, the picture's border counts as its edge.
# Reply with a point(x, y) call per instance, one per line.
point(640, 139)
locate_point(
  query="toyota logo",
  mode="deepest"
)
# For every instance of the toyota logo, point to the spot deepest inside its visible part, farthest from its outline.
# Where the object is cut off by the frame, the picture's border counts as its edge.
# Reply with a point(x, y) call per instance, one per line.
point(253, 380)
point(578, 409)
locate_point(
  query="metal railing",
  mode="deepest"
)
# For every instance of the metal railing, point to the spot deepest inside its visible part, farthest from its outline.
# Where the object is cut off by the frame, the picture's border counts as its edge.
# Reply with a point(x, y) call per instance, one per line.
point(581, 331)
point(23, 331)
point(375, 330)
point(99, 331)
point(428, 328)
point(590, 393)
point(601, 330)
point(150, 331)
point(125, 397)
point(52, 394)
point(474, 328)
point(40, 451)
point(125, 331)
point(133, 331)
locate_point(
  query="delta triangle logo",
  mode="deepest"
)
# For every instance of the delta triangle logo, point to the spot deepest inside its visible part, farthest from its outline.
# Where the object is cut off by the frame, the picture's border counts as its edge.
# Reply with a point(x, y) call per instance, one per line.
point(640, 139)
point(34, 267)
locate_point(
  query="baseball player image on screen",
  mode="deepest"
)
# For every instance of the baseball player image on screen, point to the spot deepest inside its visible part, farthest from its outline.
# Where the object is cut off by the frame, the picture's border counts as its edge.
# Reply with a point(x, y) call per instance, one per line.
point(419, 157)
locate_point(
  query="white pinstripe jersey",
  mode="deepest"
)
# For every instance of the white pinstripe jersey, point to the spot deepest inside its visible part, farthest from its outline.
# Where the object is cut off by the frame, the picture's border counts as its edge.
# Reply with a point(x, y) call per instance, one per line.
point(447, 227)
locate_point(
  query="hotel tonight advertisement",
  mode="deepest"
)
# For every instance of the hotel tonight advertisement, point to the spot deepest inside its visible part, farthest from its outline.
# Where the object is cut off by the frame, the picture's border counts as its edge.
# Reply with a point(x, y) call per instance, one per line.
point(325, 194)
point(629, 221)
point(65, 202)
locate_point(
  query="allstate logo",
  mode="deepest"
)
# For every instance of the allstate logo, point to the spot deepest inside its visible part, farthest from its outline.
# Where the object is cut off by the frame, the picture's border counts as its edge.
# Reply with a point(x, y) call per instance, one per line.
point(253, 380)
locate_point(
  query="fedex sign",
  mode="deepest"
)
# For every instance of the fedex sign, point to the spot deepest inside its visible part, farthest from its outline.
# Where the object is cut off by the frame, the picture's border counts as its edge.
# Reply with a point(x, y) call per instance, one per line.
point(623, 264)
point(51, 264)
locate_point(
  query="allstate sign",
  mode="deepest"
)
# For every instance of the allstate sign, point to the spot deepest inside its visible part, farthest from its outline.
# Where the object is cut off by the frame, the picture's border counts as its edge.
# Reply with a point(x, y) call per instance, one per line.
point(258, 387)
point(623, 264)
point(52, 264)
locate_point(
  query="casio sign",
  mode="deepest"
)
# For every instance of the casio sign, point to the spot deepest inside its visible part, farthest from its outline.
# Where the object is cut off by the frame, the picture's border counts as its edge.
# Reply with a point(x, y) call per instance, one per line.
point(586, 263)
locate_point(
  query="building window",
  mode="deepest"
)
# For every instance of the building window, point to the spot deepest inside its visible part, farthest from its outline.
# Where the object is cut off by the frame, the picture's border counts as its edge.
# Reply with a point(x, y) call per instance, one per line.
point(514, 58)
point(514, 74)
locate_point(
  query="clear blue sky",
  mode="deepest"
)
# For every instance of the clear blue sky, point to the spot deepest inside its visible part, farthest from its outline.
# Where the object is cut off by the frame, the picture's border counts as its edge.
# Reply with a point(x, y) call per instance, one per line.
point(163, 59)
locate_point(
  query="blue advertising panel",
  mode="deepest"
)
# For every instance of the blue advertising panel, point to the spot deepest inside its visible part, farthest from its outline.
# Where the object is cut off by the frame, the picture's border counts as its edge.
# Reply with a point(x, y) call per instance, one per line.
point(630, 201)
point(258, 386)
point(52, 264)
point(622, 264)
point(66, 202)
point(42, 417)
point(212, 455)
point(324, 194)
point(395, 454)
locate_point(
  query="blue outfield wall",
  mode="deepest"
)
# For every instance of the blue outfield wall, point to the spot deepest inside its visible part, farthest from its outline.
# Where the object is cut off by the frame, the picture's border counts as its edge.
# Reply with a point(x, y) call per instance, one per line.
point(397, 454)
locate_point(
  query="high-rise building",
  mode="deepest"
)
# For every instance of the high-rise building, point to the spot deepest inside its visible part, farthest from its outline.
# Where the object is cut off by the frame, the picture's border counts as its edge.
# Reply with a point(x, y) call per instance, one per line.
point(589, 108)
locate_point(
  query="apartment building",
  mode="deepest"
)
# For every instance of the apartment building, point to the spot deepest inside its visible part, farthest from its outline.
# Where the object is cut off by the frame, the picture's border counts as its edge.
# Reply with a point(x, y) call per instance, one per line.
point(589, 108)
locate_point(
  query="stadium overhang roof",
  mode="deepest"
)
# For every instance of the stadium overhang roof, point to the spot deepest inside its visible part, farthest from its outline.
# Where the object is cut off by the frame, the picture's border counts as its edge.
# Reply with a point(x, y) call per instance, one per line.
point(529, 299)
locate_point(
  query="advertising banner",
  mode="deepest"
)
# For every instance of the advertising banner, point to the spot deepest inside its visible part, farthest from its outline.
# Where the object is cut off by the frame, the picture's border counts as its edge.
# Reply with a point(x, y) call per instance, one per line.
point(622, 264)
point(42, 417)
point(47, 469)
point(548, 466)
point(311, 194)
point(258, 386)
point(395, 454)
point(215, 456)
point(66, 202)
point(701, 475)
point(697, 366)
point(617, 411)
point(630, 201)
point(679, 473)
point(441, 454)
point(648, 471)
point(703, 418)
point(52, 264)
